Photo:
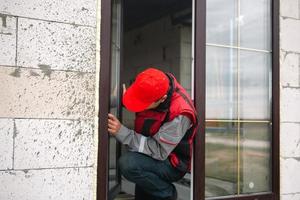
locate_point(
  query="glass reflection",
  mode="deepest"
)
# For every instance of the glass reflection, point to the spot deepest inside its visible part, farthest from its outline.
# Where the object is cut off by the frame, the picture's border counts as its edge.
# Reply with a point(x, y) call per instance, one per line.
point(255, 24)
point(255, 81)
point(256, 157)
point(112, 163)
point(238, 97)
point(114, 99)
point(116, 22)
point(234, 163)
point(220, 159)
point(221, 83)
point(221, 25)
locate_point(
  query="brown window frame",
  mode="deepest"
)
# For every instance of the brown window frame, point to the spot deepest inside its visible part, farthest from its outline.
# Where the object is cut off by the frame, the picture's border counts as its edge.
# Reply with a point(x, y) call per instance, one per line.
point(199, 85)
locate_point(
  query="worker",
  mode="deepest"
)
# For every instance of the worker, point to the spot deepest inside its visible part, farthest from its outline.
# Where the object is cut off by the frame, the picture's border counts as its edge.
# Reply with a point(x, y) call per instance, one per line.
point(160, 146)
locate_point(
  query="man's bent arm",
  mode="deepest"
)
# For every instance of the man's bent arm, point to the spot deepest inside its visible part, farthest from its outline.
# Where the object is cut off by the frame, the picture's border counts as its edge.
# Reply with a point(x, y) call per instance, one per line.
point(161, 144)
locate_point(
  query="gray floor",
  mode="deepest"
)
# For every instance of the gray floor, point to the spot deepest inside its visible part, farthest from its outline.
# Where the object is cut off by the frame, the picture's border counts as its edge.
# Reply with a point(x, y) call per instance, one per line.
point(182, 190)
point(124, 197)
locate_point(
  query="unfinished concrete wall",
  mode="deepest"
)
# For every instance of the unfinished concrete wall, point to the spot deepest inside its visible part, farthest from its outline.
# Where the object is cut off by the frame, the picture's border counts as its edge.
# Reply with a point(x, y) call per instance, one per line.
point(161, 44)
point(290, 99)
point(154, 44)
point(47, 99)
point(186, 58)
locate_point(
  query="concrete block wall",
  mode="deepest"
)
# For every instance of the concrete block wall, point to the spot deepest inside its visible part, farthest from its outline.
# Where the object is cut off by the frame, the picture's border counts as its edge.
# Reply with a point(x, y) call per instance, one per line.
point(186, 58)
point(290, 99)
point(154, 44)
point(47, 99)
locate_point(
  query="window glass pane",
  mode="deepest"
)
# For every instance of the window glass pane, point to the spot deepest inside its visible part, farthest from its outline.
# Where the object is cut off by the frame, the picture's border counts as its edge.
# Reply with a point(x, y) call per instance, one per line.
point(114, 99)
point(238, 97)
point(221, 83)
point(185, 73)
point(220, 159)
point(255, 90)
point(255, 24)
point(112, 162)
point(116, 12)
point(231, 160)
point(255, 157)
point(221, 24)
point(114, 86)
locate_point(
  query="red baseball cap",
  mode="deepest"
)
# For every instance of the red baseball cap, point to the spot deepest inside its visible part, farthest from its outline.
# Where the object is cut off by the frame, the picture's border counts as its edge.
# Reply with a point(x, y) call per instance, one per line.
point(148, 87)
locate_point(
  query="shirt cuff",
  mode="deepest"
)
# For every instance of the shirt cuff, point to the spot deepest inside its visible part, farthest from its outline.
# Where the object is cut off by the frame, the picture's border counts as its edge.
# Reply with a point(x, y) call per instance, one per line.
point(123, 133)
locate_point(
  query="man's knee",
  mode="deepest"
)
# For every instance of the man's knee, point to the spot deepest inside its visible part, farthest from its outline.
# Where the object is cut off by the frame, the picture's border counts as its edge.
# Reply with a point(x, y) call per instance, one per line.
point(128, 164)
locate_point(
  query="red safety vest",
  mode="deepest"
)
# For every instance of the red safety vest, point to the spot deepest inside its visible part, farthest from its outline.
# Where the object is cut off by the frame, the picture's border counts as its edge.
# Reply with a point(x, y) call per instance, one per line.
point(148, 123)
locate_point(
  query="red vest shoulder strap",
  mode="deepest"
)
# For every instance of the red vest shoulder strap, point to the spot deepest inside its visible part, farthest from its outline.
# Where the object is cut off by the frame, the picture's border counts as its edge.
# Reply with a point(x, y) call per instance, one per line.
point(181, 104)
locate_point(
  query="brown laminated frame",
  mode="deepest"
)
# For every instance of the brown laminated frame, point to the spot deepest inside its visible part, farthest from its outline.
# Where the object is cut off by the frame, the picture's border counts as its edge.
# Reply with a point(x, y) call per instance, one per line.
point(102, 188)
point(104, 94)
point(199, 71)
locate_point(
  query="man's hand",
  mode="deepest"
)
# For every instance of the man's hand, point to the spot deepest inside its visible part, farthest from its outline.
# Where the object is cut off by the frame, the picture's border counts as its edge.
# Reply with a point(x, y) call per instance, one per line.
point(114, 124)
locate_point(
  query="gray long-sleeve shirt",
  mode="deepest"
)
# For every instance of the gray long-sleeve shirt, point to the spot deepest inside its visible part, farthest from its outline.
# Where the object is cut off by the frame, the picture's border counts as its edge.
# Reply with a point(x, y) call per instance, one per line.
point(161, 144)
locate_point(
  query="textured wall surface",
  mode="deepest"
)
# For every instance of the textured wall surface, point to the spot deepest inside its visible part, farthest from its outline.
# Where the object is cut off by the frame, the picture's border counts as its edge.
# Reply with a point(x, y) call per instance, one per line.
point(290, 99)
point(47, 99)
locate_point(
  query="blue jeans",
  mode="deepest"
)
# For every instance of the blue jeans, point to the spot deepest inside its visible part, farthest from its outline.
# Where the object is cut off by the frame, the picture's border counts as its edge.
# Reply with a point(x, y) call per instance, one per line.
point(154, 177)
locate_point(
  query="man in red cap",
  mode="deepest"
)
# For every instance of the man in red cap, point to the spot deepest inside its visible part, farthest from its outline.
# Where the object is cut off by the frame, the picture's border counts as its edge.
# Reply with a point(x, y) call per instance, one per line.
point(161, 143)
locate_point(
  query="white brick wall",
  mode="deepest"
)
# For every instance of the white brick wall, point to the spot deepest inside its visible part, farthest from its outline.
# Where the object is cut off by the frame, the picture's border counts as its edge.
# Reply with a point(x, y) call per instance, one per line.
point(290, 109)
point(7, 40)
point(290, 8)
point(290, 69)
point(290, 99)
point(6, 147)
point(290, 197)
point(81, 12)
point(43, 184)
point(290, 139)
point(64, 143)
point(290, 37)
point(47, 99)
point(59, 46)
point(290, 176)
point(46, 93)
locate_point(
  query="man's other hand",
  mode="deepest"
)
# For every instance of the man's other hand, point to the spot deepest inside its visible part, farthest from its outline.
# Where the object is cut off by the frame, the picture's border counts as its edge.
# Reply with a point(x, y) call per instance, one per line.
point(114, 124)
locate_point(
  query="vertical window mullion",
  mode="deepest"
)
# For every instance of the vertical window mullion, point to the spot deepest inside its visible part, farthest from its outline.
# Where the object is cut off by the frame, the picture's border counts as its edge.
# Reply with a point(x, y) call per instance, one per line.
point(199, 92)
